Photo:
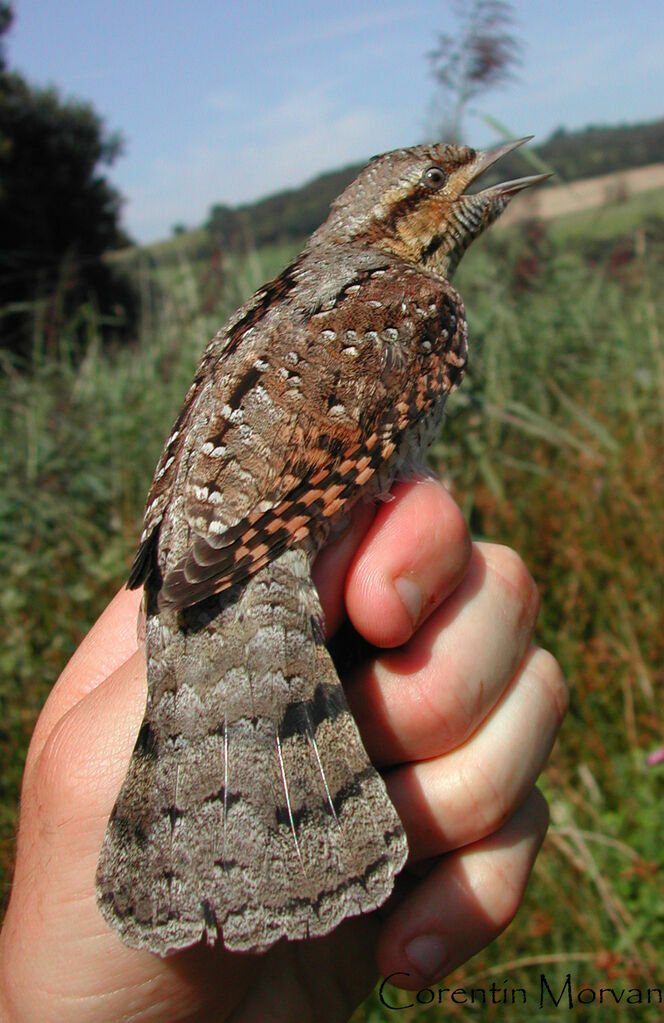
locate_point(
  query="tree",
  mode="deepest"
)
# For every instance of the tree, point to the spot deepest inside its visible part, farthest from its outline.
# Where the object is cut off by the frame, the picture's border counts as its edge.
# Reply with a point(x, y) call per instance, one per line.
point(481, 54)
point(224, 225)
point(6, 18)
point(58, 213)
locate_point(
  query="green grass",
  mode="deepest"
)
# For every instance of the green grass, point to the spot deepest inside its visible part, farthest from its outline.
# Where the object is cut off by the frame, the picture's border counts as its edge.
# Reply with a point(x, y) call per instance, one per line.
point(554, 445)
point(607, 223)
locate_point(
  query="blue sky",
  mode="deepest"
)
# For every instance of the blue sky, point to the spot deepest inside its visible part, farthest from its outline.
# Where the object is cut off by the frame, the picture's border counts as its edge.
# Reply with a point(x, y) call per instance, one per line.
point(225, 102)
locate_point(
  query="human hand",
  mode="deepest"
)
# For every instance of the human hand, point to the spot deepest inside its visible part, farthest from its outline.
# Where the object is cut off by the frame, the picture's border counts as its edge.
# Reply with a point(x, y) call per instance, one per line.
point(456, 707)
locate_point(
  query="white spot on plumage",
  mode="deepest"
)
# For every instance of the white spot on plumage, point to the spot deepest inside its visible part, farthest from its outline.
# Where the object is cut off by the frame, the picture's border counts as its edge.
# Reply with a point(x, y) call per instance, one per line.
point(165, 467)
point(262, 396)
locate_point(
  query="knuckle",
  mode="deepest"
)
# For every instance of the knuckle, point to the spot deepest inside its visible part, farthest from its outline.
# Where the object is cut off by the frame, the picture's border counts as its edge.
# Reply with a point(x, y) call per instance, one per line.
point(444, 716)
point(487, 798)
point(515, 576)
point(510, 891)
point(512, 873)
point(549, 673)
point(457, 531)
point(458, 540)
point(56, 782)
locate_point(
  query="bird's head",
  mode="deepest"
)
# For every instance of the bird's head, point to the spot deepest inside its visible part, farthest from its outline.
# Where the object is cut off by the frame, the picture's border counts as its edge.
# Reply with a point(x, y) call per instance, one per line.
point(414, 203)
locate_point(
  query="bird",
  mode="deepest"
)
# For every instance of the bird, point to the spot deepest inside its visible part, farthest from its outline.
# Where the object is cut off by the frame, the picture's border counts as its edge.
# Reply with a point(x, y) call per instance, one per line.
point(250, 811)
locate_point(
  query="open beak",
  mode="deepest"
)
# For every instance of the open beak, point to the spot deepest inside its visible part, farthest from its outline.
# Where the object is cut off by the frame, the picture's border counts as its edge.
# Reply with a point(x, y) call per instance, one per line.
point(506, 188)
point(470, 213)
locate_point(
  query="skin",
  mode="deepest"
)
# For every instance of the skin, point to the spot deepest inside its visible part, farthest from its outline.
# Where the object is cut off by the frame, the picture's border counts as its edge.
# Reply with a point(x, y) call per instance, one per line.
point(456, 706)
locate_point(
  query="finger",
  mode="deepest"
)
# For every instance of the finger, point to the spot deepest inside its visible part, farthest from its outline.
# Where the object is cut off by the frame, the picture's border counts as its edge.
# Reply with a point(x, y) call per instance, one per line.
point(65, 808)
point(431, 695)
point(332, 564)
point(413, 555)
point(65, 805)
point(450, 801)
point(464, 902)
point(108, 644)
point(80, 769)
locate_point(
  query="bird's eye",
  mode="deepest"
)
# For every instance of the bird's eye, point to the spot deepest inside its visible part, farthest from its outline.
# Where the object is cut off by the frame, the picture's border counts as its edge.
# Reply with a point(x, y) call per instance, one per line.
point(434, 177)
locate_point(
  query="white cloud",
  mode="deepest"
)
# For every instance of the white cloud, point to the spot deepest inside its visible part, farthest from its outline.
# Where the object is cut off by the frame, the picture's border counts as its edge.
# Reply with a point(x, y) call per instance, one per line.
point(338, 28)
point(299, 138)
point(223, 100)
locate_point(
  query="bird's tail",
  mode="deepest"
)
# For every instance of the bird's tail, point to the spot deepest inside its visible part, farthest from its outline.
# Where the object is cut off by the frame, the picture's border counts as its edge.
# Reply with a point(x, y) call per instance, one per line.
point(250, 808)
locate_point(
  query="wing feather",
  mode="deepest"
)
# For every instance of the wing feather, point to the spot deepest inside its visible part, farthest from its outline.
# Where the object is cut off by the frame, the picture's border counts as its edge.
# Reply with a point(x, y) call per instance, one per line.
point(311, 426)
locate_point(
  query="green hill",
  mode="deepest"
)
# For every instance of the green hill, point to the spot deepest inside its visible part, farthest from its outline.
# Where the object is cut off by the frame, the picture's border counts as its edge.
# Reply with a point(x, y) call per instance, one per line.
point(294, 213)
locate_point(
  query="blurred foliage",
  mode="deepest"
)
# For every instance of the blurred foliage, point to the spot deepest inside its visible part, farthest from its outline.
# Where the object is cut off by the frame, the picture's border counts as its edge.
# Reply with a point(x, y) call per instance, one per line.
point(58, 217)
point(600, 149)
point(479, 55)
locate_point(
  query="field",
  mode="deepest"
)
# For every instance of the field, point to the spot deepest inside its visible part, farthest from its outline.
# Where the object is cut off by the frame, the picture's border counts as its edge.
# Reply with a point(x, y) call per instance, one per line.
point(591, 193)
point(554, 445)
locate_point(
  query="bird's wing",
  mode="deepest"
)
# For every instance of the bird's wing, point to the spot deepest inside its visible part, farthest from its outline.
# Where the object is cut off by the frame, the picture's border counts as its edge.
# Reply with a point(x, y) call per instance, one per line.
point(301, 424)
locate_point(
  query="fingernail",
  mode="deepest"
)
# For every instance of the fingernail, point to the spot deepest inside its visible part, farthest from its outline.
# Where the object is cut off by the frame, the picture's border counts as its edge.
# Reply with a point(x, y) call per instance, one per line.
point(428, 954)
point(411, 596)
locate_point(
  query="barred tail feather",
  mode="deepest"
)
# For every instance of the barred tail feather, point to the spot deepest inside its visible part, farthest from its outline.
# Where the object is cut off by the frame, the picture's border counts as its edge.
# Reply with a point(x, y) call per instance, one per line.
point(250, 809)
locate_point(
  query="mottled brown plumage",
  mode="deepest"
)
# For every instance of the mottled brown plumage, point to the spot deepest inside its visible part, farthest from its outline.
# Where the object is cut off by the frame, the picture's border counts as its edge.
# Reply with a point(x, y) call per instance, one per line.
point(250, 809)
